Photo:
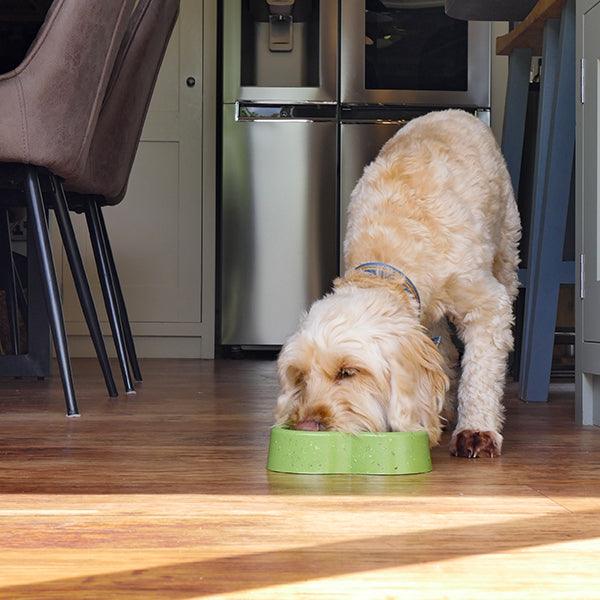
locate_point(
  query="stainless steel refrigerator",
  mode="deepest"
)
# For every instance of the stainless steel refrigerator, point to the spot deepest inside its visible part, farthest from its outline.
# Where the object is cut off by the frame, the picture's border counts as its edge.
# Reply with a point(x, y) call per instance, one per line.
point(297, 133)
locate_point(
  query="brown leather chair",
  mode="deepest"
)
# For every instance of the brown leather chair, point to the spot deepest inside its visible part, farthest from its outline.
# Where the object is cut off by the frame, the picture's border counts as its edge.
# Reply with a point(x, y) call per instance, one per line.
point(49, 110)
point(103, 180)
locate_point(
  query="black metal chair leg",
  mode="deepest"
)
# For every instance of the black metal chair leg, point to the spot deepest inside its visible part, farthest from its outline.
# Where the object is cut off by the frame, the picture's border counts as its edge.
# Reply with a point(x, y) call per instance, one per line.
point(9, 282)
point(129, 343)
point(107, 285)
point(81, 283)
point(38, 226)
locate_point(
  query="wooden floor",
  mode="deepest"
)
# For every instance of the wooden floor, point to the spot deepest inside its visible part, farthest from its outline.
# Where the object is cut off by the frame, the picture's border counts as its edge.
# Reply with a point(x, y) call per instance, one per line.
point(166, 495)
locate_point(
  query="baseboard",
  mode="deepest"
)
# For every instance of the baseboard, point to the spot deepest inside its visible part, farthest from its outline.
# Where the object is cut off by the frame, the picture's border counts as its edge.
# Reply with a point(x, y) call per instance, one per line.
point(148, 347)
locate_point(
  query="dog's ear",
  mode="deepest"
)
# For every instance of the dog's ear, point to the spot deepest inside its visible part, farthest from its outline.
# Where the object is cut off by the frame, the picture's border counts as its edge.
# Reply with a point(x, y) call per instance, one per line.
point(418, 386)
point(290, 383)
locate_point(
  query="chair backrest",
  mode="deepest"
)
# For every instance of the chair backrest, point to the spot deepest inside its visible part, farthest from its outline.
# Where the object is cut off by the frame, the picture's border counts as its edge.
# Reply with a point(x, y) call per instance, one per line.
point(50, 103)
point(128, 96)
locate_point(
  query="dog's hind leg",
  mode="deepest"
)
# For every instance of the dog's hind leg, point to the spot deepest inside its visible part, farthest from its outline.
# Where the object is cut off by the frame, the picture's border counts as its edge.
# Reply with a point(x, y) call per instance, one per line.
point(448, 350)
point(485, 329)
point(506, 260)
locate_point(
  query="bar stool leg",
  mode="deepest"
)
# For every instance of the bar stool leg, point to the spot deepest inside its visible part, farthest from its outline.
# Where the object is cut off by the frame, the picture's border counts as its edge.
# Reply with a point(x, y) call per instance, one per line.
point(22, 302)
point(547, 96)
point(546, 255)
point(513, 129)
point(112, 307)
point(9, 281)
point(129, 343)
point(81, 283)
point(39, 229)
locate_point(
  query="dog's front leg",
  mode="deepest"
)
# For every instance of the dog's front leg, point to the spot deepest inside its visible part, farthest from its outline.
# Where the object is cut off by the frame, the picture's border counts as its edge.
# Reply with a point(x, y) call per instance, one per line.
point(486, 333)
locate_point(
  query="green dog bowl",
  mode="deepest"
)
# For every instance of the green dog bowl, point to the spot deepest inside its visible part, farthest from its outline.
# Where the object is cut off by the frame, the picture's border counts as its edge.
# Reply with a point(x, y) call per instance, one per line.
point(328, 452)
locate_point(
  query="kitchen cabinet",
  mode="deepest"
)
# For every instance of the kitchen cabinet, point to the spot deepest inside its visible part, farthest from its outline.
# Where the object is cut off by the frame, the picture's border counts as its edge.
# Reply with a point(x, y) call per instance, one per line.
point(588, 203)
point(163, 233)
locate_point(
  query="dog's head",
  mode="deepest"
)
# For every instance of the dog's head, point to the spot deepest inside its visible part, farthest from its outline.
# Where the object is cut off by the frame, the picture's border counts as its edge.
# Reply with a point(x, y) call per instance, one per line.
point(361, 362)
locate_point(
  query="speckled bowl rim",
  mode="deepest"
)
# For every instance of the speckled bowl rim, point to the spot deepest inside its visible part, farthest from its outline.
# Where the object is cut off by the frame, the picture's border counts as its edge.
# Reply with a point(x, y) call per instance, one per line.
point(333, 452)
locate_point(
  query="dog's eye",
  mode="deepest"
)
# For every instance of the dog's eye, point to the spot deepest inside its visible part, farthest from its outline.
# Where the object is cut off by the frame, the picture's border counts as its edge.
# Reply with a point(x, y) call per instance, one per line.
point(346, 372)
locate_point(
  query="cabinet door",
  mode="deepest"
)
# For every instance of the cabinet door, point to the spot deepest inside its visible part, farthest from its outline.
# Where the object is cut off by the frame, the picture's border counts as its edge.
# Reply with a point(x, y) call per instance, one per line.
point(591, 196)
point(156, 232)
point(587, 379)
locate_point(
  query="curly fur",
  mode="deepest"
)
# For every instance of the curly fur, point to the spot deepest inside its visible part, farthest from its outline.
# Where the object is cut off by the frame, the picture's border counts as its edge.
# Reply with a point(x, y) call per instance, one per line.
point(438, 204)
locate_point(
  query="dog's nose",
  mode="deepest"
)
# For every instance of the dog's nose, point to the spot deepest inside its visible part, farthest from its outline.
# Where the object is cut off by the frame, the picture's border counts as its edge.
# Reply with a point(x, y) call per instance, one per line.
point(308, 426)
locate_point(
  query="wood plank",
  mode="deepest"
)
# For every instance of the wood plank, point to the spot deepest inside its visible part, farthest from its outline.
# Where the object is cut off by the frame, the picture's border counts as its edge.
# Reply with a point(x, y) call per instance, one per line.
point(166, 495)
point(529, 32)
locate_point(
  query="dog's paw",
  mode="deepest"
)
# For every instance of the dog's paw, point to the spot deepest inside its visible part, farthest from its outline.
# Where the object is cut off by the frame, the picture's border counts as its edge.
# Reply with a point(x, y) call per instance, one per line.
point(469, 443)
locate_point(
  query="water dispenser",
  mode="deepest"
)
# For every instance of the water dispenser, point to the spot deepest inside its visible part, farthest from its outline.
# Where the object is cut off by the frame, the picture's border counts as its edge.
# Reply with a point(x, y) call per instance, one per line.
point(280, 43)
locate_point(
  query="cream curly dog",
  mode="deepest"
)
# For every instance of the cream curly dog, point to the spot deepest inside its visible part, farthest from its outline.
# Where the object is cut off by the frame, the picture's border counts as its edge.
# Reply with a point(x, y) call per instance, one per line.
point(432, 235)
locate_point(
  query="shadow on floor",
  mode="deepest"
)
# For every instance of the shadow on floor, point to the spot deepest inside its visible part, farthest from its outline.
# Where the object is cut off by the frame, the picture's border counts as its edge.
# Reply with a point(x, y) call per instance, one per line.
point(258, 570)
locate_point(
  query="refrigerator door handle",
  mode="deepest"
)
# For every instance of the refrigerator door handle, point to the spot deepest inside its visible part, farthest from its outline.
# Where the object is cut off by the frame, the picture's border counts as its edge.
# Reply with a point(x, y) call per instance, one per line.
point(399, 122)
point(284, 113)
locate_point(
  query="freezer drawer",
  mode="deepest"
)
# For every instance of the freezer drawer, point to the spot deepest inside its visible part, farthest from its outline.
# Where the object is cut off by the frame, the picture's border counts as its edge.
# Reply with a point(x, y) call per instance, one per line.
point(363, 132)
point(360, 143)
point(278, 235)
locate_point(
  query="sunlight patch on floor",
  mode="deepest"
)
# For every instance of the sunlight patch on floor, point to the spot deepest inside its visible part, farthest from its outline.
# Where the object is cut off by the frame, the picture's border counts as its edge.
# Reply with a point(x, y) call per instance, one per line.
point(500, 575)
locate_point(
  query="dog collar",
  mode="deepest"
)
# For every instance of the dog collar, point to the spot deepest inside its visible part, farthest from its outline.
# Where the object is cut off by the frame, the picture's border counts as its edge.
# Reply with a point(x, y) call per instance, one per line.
point(387, 271)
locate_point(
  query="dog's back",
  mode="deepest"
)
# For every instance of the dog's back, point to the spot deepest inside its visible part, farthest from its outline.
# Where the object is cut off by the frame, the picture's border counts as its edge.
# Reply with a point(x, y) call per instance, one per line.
point(438, 197)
